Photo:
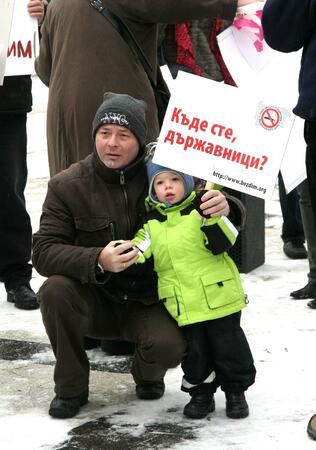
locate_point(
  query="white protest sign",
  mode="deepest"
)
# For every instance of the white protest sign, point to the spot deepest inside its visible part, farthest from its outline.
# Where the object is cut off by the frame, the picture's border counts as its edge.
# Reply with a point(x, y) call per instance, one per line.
point(23, 42)
point(293, 166)
point(274, 74)
point(222, 134)
point(6, 13)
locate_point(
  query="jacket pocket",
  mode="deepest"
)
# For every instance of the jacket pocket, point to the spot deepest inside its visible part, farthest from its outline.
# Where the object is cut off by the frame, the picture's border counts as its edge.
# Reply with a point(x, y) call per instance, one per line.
point(168, 296)
point(93, 231)
point(221, 289)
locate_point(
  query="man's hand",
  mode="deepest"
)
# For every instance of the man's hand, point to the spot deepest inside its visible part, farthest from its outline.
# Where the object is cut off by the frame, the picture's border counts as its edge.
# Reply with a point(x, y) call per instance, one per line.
point(36, 9)
point(118, 256)
point(214, 204)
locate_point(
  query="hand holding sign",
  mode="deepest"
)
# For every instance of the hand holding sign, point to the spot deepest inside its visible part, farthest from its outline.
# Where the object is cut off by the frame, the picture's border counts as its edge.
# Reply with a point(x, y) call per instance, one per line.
point(36, 9)
point(248, 34)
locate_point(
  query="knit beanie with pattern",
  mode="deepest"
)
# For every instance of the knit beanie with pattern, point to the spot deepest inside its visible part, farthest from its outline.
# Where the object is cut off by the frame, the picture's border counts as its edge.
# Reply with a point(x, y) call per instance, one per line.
point(123, 110)
point(155, 169)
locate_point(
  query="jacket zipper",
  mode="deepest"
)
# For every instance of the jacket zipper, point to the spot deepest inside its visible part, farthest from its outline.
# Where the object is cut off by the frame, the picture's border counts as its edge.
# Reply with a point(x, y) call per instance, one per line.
point(112, 230)
point(122, 183)
point(178, 306)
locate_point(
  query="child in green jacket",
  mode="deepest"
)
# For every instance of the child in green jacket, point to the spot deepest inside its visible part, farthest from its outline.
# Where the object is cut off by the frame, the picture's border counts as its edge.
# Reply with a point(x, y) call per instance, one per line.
point(200, 286)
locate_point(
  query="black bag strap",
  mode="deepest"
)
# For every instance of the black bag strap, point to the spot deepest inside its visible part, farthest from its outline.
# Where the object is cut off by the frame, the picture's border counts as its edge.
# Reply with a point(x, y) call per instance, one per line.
point(127, 35)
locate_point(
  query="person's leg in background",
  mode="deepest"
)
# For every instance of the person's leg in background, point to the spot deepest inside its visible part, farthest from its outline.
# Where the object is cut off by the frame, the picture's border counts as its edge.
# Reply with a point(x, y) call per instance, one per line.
point(292, 228)
point(15, 223)
point(310, 139)
point(308, 291)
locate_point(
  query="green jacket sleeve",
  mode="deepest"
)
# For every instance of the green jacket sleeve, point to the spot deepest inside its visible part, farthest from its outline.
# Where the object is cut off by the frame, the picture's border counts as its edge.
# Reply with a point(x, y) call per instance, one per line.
point(143, 242)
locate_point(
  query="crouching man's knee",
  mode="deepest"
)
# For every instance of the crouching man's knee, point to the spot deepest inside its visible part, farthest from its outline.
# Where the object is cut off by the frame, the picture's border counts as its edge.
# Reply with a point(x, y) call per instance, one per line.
point(169, 352)
point(58, 293)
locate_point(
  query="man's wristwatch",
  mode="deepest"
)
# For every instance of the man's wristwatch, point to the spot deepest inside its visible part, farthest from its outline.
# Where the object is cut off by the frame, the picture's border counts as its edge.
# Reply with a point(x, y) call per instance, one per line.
point(99, 269)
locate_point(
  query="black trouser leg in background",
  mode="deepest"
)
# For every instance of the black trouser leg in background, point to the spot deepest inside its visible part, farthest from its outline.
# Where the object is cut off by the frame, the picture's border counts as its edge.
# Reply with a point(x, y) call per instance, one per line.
point(292, 227)
point(15, 224)
point(310, 139)
point(309, 229)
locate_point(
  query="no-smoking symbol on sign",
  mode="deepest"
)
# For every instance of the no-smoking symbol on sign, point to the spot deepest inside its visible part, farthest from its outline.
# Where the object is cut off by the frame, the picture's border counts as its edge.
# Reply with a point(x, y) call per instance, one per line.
point(270, 117)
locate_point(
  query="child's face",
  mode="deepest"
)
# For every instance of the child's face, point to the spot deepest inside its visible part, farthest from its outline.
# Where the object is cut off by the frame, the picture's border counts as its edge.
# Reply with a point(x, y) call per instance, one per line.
point(169, 187)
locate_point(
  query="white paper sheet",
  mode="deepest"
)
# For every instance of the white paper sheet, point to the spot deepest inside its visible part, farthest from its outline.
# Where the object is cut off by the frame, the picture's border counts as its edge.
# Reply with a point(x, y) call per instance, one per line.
point(6, 14)
point(23, 41)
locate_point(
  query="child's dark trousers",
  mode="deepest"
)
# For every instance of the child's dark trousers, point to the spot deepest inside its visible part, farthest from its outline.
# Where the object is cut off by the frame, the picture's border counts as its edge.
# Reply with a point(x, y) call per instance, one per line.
point(218, 354)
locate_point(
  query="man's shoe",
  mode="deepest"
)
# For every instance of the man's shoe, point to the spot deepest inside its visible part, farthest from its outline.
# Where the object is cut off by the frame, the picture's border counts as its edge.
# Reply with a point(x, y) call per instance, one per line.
point(150, 390)
point(308, 291)
point(64, 408)
point(312, 304)
point(236, 405)
point(199, 406)
point(295, 250)
point(23, 297)
point(90, 343)
point(311, 427)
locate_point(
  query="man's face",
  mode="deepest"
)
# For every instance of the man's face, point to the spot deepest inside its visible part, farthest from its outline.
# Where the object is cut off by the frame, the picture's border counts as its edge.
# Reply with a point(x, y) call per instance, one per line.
point(116, 146)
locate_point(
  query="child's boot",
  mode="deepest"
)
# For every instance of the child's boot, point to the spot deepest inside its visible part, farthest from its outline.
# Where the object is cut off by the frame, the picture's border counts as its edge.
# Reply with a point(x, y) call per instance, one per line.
point(199, 406)
point(236, 405)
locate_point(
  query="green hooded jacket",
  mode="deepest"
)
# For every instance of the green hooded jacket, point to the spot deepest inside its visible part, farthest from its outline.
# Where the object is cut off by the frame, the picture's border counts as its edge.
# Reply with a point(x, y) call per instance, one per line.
point(195, 283)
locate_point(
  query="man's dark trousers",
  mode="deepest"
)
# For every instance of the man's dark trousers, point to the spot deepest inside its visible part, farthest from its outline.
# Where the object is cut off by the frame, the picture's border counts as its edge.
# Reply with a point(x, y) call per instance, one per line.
point(72, 310)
